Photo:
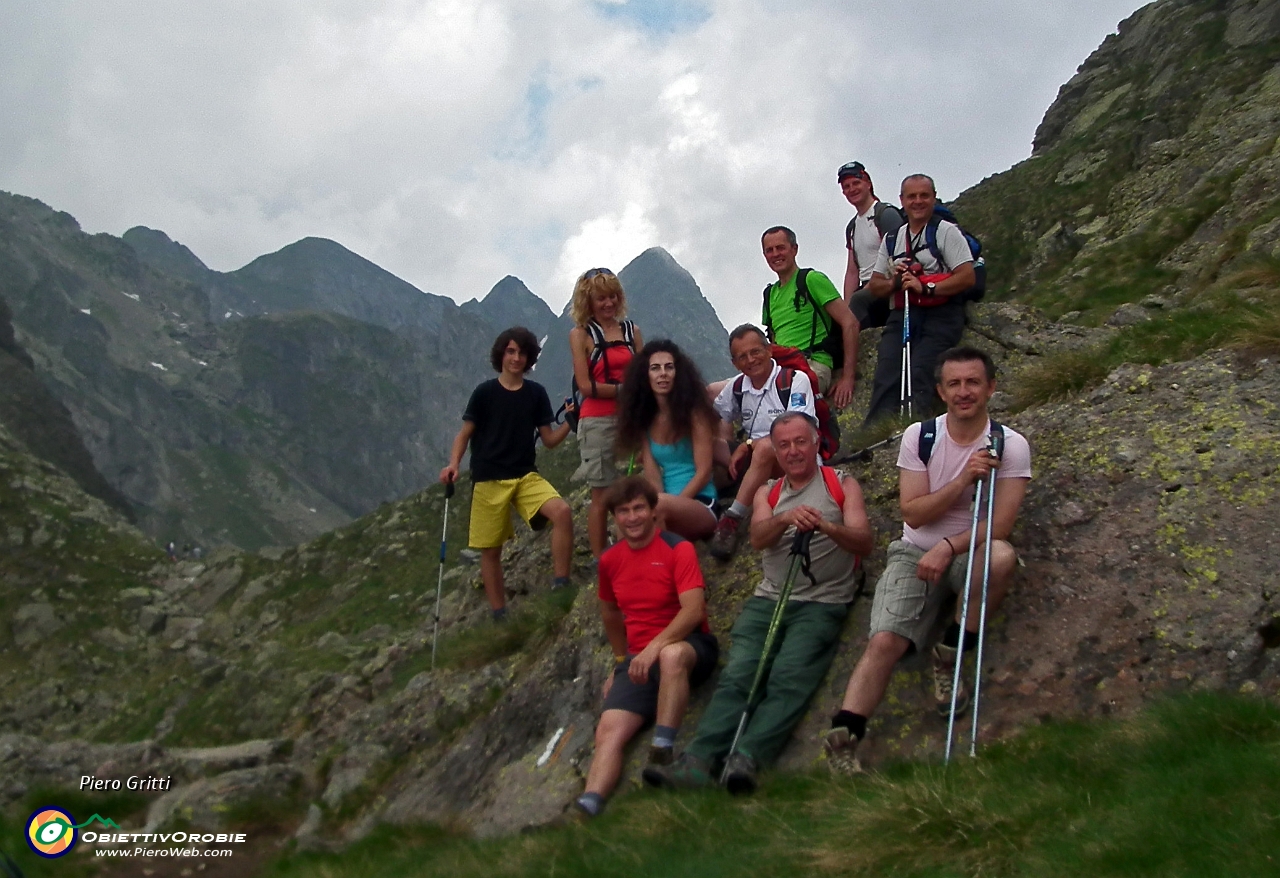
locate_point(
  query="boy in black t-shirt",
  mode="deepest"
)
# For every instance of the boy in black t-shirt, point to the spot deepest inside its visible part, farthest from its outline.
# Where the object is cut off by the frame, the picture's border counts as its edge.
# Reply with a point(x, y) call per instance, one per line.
point(504, 417)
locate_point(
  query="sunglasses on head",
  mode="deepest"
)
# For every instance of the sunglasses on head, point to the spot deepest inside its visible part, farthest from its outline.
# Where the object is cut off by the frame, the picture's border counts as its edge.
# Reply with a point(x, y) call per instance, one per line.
point(596, 272)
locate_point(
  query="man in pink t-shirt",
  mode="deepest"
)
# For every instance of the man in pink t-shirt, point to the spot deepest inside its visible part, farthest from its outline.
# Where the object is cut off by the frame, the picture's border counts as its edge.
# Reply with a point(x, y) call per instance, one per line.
point(654, 613)
point(929, 562)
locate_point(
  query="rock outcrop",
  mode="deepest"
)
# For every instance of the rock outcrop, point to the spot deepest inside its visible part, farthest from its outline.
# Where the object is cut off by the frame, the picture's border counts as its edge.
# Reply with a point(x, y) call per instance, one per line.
point(1155, 170)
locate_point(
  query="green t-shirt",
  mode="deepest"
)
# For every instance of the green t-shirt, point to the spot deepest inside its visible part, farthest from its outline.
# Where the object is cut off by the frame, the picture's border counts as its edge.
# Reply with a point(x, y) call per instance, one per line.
point(795, 328)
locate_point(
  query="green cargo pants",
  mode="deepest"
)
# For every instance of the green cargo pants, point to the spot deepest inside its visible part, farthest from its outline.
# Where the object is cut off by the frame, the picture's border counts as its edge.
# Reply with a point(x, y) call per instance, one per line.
point(802, 652)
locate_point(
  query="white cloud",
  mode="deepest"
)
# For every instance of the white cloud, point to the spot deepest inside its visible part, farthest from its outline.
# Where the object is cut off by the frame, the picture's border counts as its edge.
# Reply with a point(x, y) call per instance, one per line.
point(456, 142)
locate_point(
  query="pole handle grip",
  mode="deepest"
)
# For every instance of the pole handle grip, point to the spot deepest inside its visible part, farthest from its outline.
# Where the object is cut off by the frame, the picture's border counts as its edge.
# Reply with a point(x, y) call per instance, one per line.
point(800, 543)
point(448, 490)
point(995, 444)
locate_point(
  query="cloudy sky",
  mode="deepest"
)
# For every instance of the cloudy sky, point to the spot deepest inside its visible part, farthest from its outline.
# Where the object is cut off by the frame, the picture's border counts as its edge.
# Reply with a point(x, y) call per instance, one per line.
point(456, 141)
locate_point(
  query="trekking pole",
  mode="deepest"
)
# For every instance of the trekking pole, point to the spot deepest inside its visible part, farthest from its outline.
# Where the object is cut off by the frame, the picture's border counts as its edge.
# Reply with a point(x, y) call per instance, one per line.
point(863, 454)
point(964, 617)
point(799, 551)
point(904, 376)
point(996, 449)
point(444, 535)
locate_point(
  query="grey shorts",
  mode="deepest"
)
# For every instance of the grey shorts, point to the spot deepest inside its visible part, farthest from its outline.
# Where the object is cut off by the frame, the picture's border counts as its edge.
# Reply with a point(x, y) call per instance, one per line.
point(642, 698)
point(907, 605)
point(595, 447)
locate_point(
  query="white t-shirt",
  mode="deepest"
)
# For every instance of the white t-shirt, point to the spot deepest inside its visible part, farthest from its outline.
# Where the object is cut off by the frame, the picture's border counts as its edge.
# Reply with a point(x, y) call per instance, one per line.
point(946, 463)
point(866, 242)
point(951, 241)
point(761, 407)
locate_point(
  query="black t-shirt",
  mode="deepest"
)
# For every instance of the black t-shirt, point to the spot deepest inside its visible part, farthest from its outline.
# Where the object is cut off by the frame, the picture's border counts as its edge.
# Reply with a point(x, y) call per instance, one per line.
point(503, 445)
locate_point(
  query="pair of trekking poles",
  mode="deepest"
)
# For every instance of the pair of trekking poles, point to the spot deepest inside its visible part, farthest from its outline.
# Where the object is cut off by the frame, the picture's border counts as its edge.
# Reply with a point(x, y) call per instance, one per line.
point(987, 487)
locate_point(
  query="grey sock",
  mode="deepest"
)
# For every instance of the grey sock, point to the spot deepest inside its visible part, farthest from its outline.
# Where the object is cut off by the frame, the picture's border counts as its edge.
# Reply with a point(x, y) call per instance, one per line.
point(738, 510)
point(559, 582)
point(665, 736)
point(592, 803)
point(500, 614)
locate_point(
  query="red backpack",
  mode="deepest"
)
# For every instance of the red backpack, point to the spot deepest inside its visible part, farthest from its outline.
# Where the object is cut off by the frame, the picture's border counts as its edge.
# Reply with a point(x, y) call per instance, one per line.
point(791, 360)
point(830, 475)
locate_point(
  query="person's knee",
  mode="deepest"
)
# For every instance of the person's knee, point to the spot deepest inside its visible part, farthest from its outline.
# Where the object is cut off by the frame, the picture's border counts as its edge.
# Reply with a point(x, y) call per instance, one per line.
point(886, 646)
point(675, 658)
point(492, 554)
point(762, 454)
point(557, 511)
point(610, 731)
point(1004, 560)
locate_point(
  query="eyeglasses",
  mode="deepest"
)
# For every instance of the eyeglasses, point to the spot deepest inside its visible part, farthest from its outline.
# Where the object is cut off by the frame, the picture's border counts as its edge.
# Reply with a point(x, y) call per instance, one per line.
point(596, 272)
point(852, 169)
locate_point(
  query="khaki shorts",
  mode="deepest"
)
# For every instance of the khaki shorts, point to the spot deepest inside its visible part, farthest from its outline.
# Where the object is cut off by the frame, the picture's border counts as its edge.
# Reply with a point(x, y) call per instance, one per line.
point(595, 446)
point(907, 605)
point(823, 373)
point(491, 504)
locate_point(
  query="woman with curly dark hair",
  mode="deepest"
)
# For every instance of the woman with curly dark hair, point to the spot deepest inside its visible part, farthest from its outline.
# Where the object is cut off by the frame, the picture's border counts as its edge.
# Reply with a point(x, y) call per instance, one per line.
point(665, 418)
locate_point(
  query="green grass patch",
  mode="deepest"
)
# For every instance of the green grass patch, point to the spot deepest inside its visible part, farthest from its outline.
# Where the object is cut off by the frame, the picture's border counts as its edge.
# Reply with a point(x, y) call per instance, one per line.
point(1186, 789)
point(527, 627)
point(1226, 316)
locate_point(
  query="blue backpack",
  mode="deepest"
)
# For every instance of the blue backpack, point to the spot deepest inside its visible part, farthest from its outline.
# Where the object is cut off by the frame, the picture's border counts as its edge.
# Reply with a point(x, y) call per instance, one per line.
point(942, 212)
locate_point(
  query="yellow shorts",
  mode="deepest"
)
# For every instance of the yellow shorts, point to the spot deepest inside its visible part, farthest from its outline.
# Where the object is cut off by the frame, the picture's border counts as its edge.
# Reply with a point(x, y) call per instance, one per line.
point(491, 504)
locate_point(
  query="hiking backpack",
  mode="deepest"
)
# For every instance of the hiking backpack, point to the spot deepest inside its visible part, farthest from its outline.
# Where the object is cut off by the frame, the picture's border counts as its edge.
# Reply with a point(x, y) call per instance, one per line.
point(791, 360)
point(942, 212)
point(832, 343)
point(599, 345)
point(929, 435)
point(885, 217)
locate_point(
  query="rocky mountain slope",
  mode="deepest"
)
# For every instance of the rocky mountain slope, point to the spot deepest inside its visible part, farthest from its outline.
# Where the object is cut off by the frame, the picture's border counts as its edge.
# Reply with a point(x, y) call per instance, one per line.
point(1154, 172)
point(1144, 540)
point(273, 403)
point(261, 430)
point(304, 676)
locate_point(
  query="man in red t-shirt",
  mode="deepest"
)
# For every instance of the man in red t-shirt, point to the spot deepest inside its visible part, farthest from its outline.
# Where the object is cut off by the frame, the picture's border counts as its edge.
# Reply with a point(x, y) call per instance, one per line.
point(654, 613)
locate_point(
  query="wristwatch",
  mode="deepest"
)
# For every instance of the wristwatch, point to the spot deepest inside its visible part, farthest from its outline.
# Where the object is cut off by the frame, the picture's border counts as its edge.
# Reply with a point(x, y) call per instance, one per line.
point(930, 287)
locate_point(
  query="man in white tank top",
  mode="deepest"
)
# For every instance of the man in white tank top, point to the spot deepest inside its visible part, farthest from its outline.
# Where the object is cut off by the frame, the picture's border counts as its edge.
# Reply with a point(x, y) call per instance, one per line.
point(928, 564)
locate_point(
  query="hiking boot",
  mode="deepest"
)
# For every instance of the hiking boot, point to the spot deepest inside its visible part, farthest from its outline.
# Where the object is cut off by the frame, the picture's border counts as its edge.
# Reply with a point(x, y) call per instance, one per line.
point(725, 539)
point(661, 755)
point(740, 775)
point(840, 746)
point(686, 773)
point(944, 669)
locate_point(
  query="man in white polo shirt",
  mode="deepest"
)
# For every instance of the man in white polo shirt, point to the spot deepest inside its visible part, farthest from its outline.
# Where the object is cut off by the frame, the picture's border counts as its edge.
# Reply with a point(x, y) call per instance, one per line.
point(939, 464)
point(752, 399)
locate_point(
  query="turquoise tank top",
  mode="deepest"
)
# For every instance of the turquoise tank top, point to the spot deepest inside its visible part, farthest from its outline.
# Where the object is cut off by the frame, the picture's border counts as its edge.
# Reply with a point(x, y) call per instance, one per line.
point(678, 467)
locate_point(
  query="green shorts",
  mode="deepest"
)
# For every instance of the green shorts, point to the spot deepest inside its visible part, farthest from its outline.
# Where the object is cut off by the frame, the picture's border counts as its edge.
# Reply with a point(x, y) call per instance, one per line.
point(907, 605)
point(595, 446)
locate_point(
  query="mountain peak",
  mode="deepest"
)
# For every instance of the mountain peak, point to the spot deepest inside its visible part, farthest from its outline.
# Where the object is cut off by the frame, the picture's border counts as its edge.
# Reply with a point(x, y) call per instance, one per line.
point(161, 252)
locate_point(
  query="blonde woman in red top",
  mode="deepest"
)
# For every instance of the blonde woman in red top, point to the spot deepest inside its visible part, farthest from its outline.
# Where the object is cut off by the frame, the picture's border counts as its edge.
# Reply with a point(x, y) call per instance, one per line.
point(603, 342)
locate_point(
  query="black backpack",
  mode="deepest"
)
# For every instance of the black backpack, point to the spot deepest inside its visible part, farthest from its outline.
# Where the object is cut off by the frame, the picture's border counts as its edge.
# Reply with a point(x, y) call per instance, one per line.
point(599, 345)
point(942, 212)
point(831, 343)
point(929, 435)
